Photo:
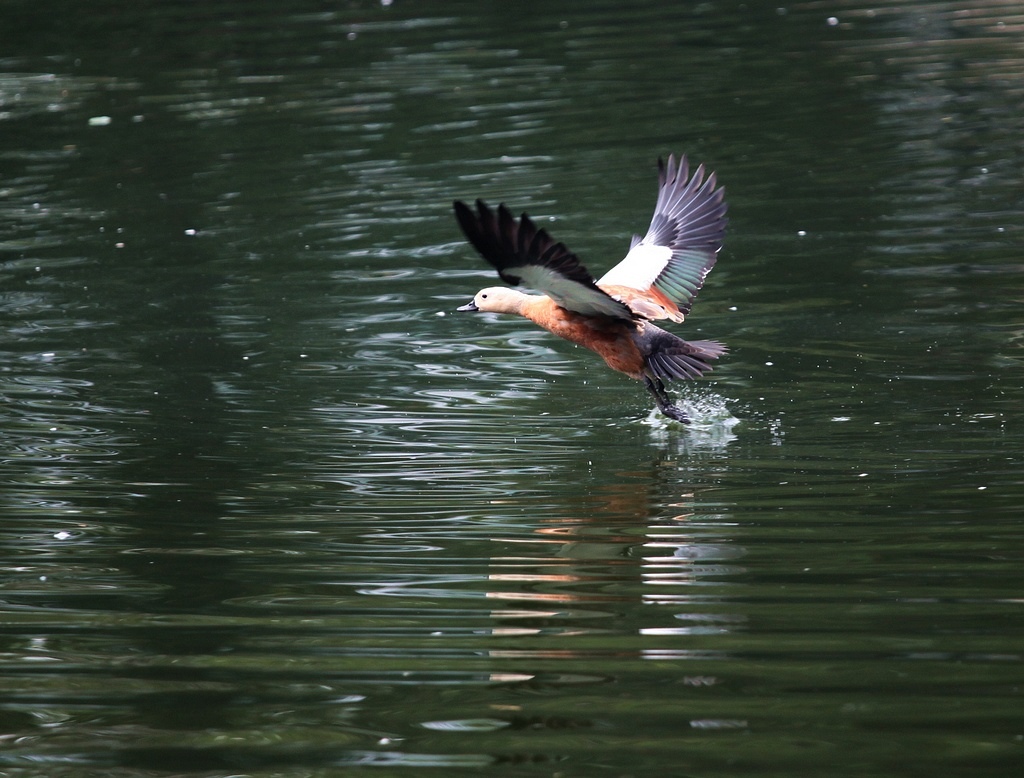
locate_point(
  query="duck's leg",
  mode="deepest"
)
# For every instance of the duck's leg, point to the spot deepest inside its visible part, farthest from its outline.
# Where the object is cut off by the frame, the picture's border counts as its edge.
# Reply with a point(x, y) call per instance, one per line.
point(665, 405)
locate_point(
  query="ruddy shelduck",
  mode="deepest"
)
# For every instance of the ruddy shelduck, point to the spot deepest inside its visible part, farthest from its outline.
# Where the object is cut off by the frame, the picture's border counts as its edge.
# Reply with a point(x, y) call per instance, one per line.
point(658, 279)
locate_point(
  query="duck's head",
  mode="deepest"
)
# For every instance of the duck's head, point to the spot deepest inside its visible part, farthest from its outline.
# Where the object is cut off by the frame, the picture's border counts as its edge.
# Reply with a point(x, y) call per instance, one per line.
point(496, 299)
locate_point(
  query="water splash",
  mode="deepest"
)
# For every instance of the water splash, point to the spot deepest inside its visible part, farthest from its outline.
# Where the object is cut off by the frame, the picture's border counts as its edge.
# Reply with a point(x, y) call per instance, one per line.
point(710, 427)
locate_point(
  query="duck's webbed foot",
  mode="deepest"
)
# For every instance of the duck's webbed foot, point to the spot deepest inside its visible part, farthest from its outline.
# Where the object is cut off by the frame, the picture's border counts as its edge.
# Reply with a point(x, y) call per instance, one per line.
point(665, 404)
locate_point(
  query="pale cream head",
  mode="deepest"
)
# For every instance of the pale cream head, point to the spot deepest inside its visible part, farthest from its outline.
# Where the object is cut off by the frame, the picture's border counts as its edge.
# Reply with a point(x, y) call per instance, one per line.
point(499, 299)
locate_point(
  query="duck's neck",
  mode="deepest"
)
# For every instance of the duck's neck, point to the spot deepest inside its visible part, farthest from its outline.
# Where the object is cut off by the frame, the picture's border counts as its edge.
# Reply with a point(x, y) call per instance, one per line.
point(534, 306)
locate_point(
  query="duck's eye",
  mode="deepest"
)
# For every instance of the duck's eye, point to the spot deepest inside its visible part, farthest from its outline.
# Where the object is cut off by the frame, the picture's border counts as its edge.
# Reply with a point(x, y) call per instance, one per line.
point(483, 297)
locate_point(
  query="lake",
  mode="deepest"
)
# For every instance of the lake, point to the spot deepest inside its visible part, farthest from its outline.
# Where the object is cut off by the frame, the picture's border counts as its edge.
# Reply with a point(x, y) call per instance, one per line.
point(273, 509)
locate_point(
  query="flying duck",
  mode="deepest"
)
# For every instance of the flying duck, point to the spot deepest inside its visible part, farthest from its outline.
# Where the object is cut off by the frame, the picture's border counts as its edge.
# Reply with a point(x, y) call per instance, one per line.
point(658, 279)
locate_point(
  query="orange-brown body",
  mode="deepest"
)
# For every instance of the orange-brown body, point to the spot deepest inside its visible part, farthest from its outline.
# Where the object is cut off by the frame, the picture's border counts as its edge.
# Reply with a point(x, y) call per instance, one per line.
point(613, 339)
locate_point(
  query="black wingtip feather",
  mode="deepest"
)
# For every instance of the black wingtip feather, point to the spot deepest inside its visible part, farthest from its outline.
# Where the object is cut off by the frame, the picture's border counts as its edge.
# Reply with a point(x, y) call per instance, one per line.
point(507, 243)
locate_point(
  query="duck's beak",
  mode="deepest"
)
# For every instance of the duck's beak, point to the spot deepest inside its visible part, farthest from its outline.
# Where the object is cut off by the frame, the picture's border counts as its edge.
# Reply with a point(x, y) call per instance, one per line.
point(470, 306)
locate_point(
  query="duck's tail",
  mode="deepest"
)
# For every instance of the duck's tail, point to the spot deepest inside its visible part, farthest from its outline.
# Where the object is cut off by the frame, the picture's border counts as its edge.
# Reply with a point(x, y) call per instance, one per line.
point(670, 358)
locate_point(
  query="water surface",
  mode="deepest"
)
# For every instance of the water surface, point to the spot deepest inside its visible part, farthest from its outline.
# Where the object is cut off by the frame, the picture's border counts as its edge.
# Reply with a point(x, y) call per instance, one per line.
point(272, 509)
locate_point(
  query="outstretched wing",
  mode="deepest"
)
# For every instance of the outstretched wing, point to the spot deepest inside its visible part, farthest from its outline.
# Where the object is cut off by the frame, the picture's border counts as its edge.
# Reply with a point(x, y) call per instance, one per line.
point(671, 261)
point(527, 256)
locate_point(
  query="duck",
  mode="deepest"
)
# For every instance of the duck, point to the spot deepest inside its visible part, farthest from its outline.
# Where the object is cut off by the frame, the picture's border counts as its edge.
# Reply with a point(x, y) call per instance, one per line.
point(658, 279)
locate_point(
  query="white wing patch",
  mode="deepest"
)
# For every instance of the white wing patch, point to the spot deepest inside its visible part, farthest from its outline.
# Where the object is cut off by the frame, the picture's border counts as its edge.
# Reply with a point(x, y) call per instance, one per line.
point(641, 266)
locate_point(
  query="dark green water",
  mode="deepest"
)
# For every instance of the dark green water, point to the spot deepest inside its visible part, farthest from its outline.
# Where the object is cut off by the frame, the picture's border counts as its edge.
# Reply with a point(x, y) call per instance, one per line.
point(271, 510)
